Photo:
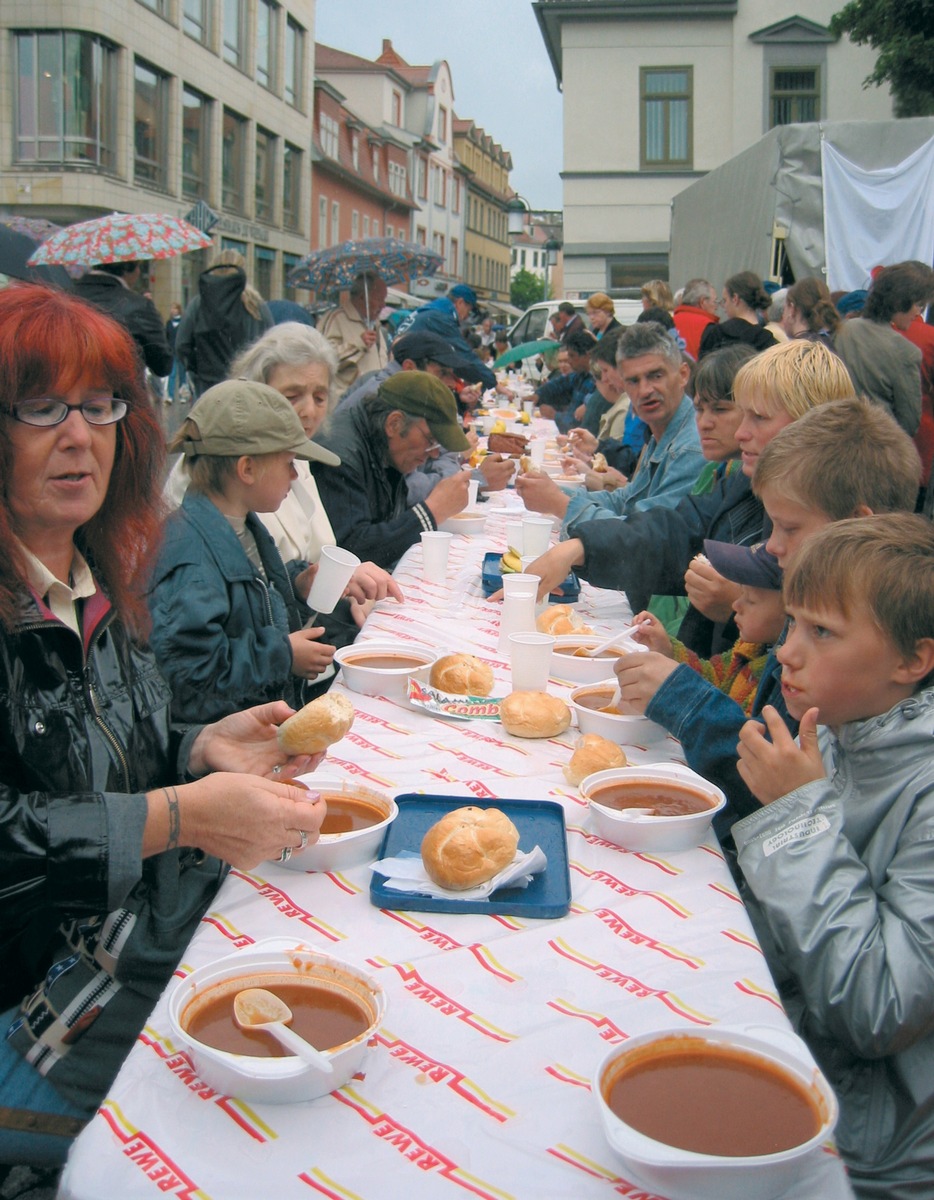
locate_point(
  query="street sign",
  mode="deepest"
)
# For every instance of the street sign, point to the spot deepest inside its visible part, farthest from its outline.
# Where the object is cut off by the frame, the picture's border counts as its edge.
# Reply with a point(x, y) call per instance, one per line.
point(202, 216)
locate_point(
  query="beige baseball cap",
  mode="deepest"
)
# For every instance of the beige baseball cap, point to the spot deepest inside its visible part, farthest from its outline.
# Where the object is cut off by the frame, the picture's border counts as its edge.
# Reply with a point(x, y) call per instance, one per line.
point(241, 417)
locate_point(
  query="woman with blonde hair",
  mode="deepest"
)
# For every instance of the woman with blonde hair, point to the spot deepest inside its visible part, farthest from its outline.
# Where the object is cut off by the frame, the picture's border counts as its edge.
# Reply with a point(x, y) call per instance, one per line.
point(657, 294)
point(226, 315)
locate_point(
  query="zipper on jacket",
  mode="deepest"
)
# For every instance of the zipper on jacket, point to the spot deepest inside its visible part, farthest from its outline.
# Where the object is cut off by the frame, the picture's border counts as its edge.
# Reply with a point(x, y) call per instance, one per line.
point(94, 706)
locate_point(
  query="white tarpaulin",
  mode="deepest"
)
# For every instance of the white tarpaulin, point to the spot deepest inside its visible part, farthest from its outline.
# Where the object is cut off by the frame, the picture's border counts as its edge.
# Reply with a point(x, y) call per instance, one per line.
point(873, 217)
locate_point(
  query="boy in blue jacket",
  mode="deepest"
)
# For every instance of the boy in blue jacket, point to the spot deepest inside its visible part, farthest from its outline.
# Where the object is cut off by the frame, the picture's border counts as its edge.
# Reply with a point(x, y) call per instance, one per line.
point(227, 627)
point(848, 458)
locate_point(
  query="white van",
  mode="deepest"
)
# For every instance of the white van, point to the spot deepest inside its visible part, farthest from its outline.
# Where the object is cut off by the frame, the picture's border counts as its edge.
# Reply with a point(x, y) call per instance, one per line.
point(535, 322)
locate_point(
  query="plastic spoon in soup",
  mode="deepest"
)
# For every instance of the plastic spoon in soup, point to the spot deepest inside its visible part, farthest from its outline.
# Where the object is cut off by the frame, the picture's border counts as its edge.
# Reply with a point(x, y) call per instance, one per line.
point(594, 651)
point(256, 1008)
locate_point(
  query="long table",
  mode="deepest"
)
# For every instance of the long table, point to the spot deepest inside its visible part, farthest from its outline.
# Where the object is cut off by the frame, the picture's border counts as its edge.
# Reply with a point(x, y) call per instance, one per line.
point(479, 1082)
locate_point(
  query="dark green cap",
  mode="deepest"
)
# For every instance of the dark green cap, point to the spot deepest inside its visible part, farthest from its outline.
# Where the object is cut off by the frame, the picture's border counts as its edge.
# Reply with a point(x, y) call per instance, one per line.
point(422, 395)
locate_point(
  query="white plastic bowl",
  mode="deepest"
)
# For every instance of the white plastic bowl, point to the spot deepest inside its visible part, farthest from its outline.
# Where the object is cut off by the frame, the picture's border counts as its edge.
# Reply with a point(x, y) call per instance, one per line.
point(337, 851)
point(616, 727)
point(653, 835)
point(579, 669)
point(468, 521)
point(686, 1175)
point(276, 1080)
point(383, 681)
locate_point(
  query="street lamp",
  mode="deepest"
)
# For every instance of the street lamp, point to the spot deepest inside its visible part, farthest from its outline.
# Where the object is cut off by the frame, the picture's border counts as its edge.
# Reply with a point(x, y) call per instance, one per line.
point(551, 248)
point(517, 210)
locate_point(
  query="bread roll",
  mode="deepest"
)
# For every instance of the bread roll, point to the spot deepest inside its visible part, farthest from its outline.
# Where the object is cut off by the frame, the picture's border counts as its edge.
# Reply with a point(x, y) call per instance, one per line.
point(592, 753)
point(469, 846)
point(534, 715)
point(560, 619)
point(461, 675)
point(316, 726)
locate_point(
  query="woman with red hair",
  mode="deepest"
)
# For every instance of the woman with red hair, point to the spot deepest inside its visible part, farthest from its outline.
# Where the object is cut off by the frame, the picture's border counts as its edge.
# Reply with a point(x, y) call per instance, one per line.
point(115, 828)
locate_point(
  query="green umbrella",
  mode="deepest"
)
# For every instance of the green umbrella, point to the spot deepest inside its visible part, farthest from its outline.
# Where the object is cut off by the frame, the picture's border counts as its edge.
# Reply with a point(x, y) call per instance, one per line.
point(527, 350)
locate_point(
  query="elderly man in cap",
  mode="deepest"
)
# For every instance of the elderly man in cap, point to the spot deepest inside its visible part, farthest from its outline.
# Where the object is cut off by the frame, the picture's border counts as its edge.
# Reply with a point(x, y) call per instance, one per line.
point(353, 330)
point(381, 440)
point(443, 317)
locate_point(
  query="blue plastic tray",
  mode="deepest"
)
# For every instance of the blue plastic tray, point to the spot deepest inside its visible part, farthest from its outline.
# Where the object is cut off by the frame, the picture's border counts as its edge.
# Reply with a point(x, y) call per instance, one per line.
point(540, 823)
point(493, 581)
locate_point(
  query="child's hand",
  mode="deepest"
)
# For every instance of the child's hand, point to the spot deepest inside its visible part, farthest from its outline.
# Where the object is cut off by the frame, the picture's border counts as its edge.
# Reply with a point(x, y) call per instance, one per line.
point(708, 591)
point(773, 769)
point(309, 656)
point(639, 677)
point(652, 633)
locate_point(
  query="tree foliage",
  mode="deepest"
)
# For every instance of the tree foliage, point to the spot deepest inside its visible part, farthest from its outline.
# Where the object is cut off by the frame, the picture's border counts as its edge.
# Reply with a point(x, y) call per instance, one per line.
point(526, 288)
point(902, 31)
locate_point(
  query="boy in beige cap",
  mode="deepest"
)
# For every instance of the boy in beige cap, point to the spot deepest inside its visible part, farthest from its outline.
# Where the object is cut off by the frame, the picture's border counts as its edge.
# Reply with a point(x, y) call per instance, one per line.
point(227, 626)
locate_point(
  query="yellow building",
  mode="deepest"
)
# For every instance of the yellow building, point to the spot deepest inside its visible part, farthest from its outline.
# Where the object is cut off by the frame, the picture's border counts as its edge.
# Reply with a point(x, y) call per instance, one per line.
point(486, 166)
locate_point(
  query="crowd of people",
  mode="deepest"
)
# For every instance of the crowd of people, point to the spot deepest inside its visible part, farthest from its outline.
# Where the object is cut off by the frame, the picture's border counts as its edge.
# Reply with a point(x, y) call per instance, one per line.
point(756, 474)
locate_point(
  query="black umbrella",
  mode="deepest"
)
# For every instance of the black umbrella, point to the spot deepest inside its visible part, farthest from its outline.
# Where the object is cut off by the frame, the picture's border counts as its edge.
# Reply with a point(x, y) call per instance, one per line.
point(15, 250)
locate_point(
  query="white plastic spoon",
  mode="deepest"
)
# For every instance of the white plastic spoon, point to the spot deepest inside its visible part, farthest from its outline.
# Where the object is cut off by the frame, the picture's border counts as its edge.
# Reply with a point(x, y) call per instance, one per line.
point(594, 651)
point(256, 1008)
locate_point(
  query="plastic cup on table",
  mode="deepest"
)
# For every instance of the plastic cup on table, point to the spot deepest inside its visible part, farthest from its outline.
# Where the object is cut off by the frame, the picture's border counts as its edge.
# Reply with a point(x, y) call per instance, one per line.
point(472, 488)
point(514, 537)
point(335, 568)
point(435, 547)
point(530, 659)
point(536, 535)
point(528, 405)
point(537, 451)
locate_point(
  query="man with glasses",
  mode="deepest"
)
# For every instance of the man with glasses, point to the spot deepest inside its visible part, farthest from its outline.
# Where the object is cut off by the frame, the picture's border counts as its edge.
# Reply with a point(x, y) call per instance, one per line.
point(380, 440)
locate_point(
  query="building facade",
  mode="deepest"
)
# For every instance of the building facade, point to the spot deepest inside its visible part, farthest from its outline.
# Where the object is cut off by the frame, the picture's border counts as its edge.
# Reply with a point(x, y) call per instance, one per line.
point(658, 94)
point(486, 166)
point(155, 105)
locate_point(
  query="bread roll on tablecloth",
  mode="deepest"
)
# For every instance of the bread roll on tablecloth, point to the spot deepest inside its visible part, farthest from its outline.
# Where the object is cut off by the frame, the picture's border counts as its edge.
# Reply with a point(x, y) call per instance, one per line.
point(534, 715)
point(462, 675)
point(592, 753)
point(469, 846)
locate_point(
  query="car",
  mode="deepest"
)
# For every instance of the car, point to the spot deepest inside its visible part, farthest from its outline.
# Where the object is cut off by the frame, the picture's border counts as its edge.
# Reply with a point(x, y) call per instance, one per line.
point(535, 322)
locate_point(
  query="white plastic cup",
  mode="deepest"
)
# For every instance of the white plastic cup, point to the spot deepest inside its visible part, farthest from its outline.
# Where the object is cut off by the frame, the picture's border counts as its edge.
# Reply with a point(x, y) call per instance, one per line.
point(335, 568)
point(435, 547)
point(530, 659)
point(536, 535)
point(537, 451)
point(529, 405)
point(472, 488)
point(514, 536)
point(488, 422)
point(517, 616)
point(521, 584)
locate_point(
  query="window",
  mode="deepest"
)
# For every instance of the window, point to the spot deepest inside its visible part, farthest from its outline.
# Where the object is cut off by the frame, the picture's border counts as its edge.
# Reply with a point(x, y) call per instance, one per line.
point(264, 262)
point(355, 150)
point(397, 109)
point(292, 186)
point(442, 124)
point(374, 162)
point(666, 116)
point(366, 226)
point(354, 224)
point(422, 178)
point(335, 222)
point(794, 95)
point(195, 142)
point(437, 244)
point(233, 32)
point(294, 63)
point(267, 36)
point(150, 95)
point(456, 198)
point(65, 99)
point(233, 161)
point(195, 20)
point(157, 6)
point(322, 221)
point(452, 265)
point(421, 235)
point(329, 135)
point(441, 186)
point(389, 230)
point(264, 184)
point(398, 179)
point(289, 262)
point(375, 229)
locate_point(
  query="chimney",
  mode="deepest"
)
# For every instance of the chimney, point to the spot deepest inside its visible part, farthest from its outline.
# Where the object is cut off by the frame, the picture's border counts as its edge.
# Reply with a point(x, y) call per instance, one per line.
point(387, 46)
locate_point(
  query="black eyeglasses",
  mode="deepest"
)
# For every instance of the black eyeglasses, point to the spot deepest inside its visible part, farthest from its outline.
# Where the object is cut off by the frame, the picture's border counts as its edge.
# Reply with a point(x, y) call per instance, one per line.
point(104, 410)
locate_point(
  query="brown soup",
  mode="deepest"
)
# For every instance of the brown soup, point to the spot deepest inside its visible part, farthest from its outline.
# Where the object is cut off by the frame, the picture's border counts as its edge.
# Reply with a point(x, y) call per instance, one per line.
point(712, 1100)
point(665, 799)
point(323, 1017)
point(386, 662)
point(598, 701)
point(347, 813)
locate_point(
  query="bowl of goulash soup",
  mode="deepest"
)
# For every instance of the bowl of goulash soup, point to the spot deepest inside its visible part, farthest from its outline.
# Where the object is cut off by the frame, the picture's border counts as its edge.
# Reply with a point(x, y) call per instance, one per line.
point(384, 668)
point(656, 808)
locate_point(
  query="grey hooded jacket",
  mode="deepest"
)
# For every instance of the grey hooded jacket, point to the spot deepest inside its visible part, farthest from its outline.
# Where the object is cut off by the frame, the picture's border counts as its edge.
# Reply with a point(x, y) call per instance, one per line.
point(841, 873)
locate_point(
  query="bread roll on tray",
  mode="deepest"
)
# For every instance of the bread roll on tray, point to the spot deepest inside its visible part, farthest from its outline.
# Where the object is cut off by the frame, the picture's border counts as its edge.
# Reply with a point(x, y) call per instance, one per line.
point(469, 846)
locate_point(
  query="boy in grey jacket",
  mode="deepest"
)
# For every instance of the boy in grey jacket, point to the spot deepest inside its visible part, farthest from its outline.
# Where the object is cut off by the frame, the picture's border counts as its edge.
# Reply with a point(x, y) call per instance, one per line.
point(838, 860)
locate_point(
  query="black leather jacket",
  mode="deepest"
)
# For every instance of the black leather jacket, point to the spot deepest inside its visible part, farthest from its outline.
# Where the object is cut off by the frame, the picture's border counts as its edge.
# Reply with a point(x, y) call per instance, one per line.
point(84, 732)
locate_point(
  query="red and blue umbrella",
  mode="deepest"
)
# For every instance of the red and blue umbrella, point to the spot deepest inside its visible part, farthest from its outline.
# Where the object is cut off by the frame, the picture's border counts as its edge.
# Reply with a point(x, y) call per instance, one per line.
point(121, 237)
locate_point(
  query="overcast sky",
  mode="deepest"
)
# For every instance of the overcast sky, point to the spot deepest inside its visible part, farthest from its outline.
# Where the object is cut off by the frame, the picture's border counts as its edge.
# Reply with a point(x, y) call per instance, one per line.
point(501, 72)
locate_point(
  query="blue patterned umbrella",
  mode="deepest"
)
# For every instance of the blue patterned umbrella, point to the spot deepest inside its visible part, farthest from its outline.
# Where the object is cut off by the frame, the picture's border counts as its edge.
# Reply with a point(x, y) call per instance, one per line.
point(335, 268)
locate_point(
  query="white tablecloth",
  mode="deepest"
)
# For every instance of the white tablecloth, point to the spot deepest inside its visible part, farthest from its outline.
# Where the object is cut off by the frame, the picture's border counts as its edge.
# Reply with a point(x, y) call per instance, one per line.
point(479, 1082)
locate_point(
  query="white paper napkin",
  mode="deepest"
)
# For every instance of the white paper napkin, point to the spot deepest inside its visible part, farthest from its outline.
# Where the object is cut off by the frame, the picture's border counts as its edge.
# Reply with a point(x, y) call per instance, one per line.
point(406, 873)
